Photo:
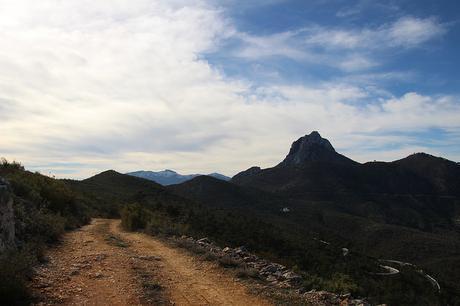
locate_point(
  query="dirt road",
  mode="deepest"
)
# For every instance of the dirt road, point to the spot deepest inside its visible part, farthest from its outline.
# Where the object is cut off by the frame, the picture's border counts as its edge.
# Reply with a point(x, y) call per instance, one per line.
point(102, 265)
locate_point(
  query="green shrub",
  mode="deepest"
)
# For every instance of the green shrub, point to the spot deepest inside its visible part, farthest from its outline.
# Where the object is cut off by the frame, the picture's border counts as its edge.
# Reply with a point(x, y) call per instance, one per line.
point(48, 225)
point(43, 208)
point(337, 282)
point(133, 217)
point(341, 283)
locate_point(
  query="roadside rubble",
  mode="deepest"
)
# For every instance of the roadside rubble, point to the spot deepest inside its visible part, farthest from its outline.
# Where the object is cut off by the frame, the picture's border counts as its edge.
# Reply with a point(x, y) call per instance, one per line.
point(273, 274)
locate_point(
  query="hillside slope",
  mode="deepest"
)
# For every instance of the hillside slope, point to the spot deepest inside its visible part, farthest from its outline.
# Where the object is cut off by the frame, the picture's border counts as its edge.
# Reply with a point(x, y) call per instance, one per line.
point(35, 210)
point(406, 210)
point(232, 215)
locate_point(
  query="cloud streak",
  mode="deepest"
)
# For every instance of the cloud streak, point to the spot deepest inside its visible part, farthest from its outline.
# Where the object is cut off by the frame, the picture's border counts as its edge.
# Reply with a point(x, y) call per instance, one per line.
point(347, 49)
point(406, 32)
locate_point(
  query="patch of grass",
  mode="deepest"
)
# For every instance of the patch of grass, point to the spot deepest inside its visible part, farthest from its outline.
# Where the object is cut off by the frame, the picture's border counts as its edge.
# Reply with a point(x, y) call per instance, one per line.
point(209, 256)
point(246, 272)
point(285, 298)
point(116, 241)
point(197, 249)
point(337, 282)
point(229, 262)
point(153, 292)
point(191, 246)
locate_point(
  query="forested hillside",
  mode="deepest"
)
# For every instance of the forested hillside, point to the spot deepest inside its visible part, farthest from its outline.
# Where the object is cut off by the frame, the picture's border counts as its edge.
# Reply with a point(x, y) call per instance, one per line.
point(235, 216)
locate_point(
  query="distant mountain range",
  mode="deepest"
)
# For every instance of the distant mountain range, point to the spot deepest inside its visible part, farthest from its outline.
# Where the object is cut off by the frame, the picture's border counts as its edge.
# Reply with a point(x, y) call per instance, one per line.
point(170, 177)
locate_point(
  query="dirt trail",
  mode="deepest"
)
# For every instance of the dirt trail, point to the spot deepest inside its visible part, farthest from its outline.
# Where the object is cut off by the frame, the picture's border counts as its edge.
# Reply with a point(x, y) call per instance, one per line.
point(192, 281)
point(102, 265)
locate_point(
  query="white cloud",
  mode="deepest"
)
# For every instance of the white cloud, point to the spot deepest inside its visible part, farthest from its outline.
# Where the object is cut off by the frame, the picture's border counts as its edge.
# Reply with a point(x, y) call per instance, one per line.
point(406, 32)
point(409, 31)
point(357, 62)
point(336, 38)
point(279, 44)
point(86, 86)
point(350, 50)
point(362, 7)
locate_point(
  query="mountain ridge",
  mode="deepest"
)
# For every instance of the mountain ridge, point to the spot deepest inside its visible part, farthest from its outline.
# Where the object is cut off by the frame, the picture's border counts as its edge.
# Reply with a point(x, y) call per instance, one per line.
point(313, 165)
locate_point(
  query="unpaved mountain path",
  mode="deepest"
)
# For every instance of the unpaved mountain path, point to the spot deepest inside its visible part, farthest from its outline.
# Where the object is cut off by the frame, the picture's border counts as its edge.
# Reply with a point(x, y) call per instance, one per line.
point(100, 264)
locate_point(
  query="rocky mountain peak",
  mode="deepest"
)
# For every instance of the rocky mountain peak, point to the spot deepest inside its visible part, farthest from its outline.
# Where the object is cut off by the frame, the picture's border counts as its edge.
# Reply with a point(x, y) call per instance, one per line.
point(311, 148)
point(310, 142)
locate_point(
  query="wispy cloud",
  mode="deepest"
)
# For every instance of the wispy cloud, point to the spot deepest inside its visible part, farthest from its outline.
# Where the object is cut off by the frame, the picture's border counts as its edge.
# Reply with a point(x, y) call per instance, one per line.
point(279, 44)
point(351, 10)
point(410, 32)
point(357, 62)
point(406, 32)
point(353, 49)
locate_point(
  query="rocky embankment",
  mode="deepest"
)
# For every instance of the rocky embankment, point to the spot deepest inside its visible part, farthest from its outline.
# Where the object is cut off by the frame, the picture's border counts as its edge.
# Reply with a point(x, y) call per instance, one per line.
point(274, 275)
point(7, 233)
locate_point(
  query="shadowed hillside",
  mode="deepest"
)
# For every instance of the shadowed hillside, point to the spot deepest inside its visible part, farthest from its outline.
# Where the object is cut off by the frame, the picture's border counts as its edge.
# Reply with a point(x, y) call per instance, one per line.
point(234, 215)
point(406, 210)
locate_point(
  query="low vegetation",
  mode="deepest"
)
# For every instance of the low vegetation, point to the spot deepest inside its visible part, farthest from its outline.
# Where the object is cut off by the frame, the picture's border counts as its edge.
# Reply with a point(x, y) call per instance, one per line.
point(322, 266)
point(116, 241)
point(229, 262)
point(153, 291)
point(44, 208)
point(246, 272)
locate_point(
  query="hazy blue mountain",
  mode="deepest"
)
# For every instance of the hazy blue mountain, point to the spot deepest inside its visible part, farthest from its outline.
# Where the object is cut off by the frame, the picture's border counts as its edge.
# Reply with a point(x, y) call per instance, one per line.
point(170, 177)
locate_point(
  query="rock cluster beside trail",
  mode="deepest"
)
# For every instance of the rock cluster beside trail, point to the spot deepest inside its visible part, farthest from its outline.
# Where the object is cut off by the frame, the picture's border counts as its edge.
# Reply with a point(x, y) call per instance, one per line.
point(276, 275)
point(7, 230)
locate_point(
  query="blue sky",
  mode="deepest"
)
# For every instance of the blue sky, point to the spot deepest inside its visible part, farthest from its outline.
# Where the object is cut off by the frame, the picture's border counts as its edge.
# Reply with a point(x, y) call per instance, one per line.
point(206, 85)
point(429, 66)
